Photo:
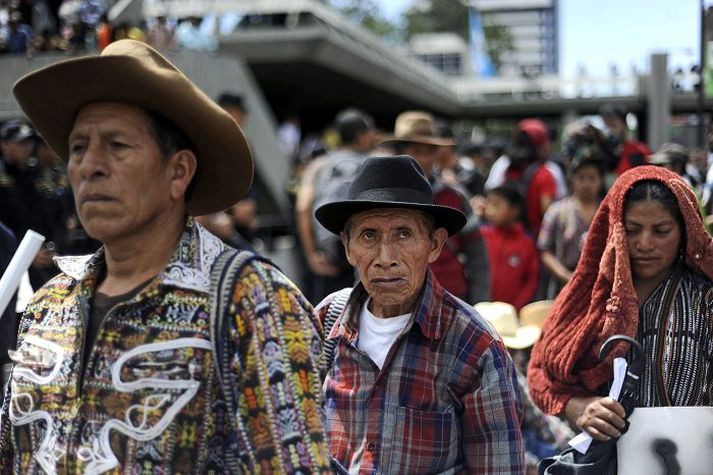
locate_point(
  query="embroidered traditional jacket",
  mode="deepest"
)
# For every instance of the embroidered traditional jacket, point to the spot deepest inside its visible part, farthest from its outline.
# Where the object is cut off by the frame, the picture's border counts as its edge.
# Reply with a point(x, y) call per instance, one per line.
point(148, 399)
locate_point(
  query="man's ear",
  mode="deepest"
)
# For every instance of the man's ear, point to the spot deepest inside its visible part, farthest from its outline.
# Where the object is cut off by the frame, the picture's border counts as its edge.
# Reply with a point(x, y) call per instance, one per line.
point(440, 236)
point(182, 167)
point(345, 242)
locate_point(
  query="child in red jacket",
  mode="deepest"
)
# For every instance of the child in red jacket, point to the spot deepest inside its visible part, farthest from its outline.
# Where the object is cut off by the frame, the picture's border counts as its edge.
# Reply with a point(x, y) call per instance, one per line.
point(514, 266)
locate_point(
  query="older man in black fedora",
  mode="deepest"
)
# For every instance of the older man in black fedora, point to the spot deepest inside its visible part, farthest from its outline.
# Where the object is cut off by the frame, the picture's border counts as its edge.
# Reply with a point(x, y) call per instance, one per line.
point(165, 352)
point(415, 380)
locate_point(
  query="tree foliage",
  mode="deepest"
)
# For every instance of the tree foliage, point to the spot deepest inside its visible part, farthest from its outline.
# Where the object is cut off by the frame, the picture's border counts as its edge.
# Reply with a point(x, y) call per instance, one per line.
point(437, 16)
point(452, 16)
point(368, 14)
point(425, 16)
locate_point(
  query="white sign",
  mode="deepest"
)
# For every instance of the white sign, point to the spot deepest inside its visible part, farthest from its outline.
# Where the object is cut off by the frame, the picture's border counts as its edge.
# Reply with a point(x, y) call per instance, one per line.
point(664, 440)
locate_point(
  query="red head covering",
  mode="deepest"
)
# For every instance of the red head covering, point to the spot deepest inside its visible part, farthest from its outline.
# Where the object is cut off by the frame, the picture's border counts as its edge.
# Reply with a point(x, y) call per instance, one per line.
point(536, 130)
point(600, 301)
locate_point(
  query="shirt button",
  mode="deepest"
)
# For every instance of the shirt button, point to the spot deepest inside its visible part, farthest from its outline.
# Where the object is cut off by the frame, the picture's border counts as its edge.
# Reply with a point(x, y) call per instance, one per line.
point(371, 447)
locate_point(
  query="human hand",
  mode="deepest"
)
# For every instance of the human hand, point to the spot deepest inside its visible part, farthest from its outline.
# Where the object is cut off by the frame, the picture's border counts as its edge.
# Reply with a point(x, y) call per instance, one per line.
point(601, 417)
point(477, 202)
point(43, 258)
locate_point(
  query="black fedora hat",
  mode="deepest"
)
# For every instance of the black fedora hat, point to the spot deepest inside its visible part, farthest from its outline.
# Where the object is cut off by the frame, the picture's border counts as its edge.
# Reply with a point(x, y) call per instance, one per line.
point(389, 182)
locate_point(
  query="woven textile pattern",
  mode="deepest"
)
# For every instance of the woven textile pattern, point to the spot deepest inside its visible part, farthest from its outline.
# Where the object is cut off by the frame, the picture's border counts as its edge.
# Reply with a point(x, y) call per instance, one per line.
point(148, 399)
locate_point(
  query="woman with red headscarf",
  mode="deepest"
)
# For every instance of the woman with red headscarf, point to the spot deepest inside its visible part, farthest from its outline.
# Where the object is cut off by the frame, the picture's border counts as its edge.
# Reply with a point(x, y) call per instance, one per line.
point(645, 271)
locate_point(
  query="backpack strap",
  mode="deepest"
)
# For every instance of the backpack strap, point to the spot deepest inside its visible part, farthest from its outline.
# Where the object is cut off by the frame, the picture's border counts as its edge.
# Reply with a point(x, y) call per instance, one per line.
point(224, 271)
point(334, 311)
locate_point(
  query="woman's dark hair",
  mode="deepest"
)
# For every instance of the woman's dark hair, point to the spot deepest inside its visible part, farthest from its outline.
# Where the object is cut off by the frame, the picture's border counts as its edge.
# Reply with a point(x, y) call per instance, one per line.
point(593, 161)
point(654, 190)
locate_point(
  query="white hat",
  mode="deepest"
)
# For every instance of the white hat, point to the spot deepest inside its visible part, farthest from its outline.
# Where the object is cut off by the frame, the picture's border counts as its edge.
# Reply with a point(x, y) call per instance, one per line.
point(503, 317)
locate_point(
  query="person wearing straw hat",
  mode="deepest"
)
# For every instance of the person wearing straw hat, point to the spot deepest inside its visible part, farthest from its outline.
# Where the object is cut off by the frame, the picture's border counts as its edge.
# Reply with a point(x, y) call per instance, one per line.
point(115, 367)
point(462, 267)
point(543, 435)
point(417, 382)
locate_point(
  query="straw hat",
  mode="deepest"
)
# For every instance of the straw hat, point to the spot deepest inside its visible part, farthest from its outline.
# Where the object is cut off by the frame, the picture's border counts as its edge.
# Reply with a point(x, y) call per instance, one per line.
point(535, 313)
point(503, 317)
point(132, 72)
point(416, 127)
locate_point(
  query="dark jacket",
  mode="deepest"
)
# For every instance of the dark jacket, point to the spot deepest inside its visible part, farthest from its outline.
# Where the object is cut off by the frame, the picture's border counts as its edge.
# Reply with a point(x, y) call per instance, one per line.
point(9, 320)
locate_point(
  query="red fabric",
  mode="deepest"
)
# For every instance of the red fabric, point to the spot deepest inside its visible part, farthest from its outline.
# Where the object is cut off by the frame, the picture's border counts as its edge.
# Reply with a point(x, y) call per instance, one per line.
point(536, 130)
point(541, 185)
point(600, 301)
point(514, 266)
point(447, 268)
point(632, 154)
point(103, 35)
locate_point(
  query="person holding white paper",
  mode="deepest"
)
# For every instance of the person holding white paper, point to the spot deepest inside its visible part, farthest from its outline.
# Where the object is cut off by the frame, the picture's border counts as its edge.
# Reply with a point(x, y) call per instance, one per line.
point(645, 272)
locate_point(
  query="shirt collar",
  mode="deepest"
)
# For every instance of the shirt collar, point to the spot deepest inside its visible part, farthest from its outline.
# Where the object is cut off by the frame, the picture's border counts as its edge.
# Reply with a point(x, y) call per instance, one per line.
point(426, 314)
point(189, 267)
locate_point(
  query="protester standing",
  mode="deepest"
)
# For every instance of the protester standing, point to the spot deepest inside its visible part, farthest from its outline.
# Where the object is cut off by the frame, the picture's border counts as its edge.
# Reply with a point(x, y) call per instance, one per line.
point(565, 224)
point(326, 179)
point(417, 382)
point(645, 272)
point(114, 367)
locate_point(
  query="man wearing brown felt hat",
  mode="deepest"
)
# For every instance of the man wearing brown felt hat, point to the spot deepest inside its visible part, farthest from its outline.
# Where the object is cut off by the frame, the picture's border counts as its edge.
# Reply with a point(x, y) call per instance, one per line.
point(166, 350)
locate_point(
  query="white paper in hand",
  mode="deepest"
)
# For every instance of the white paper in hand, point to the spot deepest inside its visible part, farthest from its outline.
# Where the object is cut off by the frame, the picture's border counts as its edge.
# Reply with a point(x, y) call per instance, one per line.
point(582, 441)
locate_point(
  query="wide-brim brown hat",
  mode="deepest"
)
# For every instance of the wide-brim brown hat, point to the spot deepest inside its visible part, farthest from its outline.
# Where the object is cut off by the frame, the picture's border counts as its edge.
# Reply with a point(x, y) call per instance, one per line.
point(132, 72)
point(416, 127)
point(389, 182)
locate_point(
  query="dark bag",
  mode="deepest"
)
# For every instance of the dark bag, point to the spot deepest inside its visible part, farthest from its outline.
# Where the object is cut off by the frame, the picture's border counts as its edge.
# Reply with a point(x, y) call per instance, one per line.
point(601, 458)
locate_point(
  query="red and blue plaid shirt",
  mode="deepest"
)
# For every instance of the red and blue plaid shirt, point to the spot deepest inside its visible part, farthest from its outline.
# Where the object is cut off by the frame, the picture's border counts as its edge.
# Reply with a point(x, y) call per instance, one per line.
point(445, 401)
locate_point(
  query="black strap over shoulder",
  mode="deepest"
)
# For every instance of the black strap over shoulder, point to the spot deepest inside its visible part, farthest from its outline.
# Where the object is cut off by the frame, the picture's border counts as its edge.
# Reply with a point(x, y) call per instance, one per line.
point(335, 309)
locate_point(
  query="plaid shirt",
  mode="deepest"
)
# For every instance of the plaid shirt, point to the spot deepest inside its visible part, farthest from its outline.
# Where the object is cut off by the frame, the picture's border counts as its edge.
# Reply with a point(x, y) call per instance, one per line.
point(445, 401)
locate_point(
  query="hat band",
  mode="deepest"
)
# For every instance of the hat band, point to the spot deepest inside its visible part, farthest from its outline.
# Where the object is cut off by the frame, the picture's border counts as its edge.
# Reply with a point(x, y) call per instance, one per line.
point(401, 195)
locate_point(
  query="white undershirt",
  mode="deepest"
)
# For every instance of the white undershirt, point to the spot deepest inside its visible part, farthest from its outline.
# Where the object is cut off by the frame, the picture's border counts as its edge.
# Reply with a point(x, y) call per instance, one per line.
point(376, 335)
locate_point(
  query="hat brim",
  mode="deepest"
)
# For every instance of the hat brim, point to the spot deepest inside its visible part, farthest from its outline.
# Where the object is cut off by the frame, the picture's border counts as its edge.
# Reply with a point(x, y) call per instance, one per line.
point(525, 337)
point(334, 216)
point(52, 96)
point(422, 139)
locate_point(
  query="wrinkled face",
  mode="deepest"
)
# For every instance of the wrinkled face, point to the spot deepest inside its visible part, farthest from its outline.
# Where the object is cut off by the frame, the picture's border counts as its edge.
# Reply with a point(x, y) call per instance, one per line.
point(587, 183)
point(122, 186)
point(654, 238)
point(391, 249)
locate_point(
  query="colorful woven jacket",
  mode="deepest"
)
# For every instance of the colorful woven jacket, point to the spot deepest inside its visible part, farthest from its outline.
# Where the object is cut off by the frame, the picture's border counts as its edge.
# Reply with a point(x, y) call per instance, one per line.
point(148, 399)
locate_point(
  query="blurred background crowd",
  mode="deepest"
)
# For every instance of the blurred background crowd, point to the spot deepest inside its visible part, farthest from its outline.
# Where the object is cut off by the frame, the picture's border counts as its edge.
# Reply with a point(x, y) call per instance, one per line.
point(529, 183)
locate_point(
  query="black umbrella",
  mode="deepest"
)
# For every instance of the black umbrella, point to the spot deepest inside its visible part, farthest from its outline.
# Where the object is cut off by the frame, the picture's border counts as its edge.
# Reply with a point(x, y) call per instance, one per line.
point(600, 459)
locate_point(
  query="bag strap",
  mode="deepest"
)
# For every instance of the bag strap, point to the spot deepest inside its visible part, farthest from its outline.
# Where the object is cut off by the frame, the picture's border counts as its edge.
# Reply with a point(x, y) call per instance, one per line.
point(225, 269)
point(334, 311)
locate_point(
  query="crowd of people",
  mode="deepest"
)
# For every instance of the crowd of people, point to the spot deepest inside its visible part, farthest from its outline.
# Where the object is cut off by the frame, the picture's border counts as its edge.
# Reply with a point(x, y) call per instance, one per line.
point(406, 349)
point(37, 26)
